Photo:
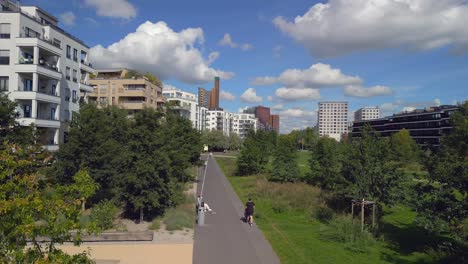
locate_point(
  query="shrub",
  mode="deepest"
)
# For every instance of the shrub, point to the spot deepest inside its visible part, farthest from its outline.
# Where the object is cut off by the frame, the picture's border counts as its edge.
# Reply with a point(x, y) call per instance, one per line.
point(103, 214)
point(280, 206)
point(155, 224)
point(343, 229)
point(323, 214)
point(179, 218)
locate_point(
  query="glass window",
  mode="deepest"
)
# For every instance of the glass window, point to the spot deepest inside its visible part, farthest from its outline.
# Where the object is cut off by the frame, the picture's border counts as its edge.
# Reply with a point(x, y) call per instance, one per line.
point(67, 94)
point(5, 31)
point(75, 54)
point(75, 75)
point(74, 96)
point(4, 57)
point(4, 83)
point(68, 73)
point(68, 51)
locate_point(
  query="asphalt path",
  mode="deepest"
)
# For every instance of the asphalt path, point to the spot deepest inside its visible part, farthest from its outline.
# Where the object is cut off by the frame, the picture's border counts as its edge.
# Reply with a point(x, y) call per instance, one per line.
point(225, 238)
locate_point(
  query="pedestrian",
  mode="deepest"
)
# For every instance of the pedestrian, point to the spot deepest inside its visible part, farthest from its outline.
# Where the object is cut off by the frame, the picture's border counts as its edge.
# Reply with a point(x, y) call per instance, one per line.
point(249, 211)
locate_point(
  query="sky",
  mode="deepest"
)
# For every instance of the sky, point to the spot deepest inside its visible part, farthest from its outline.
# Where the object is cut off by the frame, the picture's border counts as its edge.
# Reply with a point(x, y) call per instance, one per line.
point(288, 55)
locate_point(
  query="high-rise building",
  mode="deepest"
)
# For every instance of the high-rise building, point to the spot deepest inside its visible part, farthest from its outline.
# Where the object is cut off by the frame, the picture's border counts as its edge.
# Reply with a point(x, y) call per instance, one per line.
point(242, 123)
point(275, 123)
point(333, 119)
point(203, 95)
point(213, 102)
point(184, 102)
point(43, 69)
point(263, 115)
point(367, 113)
point(126, 89)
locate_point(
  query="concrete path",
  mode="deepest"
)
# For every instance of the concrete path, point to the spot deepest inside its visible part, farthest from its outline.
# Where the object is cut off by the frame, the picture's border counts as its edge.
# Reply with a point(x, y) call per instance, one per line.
point(225, 238)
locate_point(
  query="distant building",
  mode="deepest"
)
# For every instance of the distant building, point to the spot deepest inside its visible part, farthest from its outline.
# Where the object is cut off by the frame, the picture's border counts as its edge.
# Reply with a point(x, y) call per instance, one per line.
point(367, 113)
point(133, 93)
point(426, 126)
point(333, 119)
point(186, 103)
point(275, 123)
point(263, 115)
point(242, 123)
point(218, 120)
point(213, 100)
point(44, 69)
point(203, 95)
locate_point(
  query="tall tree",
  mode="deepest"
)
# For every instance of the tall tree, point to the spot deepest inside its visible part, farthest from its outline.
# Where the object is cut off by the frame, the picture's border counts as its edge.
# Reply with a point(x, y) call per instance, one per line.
point(255, 153)
point(285, 167)
point(10, 130)
point(403, 148)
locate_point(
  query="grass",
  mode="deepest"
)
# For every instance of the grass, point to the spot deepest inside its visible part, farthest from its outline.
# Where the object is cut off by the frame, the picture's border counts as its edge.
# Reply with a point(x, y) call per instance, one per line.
point(297, 237)
point(180, 217)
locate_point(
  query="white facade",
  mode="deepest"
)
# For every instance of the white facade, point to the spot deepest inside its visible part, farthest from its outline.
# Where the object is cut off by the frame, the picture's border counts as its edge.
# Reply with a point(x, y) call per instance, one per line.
point(42, 68)
point(188, 103)
point(242, 123)
point(218, 120)
point(367, 113)
point(333, 119)
point(202, 118)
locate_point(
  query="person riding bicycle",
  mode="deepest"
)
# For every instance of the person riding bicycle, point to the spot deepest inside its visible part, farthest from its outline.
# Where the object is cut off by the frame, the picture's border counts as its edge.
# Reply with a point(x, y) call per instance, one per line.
point(249, 211)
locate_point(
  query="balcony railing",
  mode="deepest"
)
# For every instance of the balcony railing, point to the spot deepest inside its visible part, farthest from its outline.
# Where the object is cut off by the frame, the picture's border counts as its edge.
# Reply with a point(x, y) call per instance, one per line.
point(24, 35)
point(22, 89)
point(86, 63)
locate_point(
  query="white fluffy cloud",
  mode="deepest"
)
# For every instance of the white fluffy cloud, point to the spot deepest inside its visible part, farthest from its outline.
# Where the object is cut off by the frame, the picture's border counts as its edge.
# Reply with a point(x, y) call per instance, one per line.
point(227, 41)
point(113, 8)
point(250, 96)
point(246, 47)
point(68, 18)
point(296, 112)
point(359, 91)
point(156, 48)
point(293, 94)
point(342, 26)
point(278, 107)
point(227, 96)
point(318, 75)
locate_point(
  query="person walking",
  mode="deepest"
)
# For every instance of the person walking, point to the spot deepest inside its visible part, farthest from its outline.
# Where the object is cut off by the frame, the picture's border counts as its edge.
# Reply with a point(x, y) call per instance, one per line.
point(249, 211)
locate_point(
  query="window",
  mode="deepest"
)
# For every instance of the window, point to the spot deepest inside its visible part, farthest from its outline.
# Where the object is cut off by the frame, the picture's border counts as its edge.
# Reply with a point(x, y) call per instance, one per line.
point(75, 54)
point(29, 33)
point(68, 73)
point(5, 31)
point(67, 94)
point(57, 43)
point(4, 57)
point(75, 75)
point(74, 96)
point(68, 52)
point(4, 84)
point(28, 83)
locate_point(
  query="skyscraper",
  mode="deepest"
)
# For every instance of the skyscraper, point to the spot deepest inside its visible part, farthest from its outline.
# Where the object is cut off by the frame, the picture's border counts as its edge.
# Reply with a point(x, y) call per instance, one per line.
point(333, 119)
point(263, 115)
point(202, 97)
point(213, 103)
point(274, 123)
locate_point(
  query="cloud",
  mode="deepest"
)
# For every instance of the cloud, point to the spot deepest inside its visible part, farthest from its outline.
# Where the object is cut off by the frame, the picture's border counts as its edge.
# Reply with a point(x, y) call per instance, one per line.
point(294, 94)
point(113, 8)
point(359, 91)
point(227, 96)
point(278, 107)
point(68, 18)
point(227, 41)
point(270, 98)
point(212, 57)
point(169, 87)
point(91, 20)
point(156, 48)
point(318, 75)
point(342, 26)
point(296, 112)
point(277, 51)
point(246, 47)
point(250, 96)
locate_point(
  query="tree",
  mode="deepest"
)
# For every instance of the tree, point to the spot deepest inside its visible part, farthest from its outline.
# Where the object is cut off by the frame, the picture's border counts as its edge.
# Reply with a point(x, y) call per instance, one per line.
point(255, 153)
point(285, 167)
point(442, 203)
point(234, 142)
point(84, 187)
point(10, 130)
point(403, 148)
point(215, 140)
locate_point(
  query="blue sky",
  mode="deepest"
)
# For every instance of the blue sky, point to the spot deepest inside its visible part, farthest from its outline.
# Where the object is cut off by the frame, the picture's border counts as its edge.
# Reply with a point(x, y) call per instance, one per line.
point(388, 53)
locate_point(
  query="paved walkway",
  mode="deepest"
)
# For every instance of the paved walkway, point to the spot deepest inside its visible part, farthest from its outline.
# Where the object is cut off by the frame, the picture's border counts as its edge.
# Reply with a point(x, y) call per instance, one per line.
point(225, 238)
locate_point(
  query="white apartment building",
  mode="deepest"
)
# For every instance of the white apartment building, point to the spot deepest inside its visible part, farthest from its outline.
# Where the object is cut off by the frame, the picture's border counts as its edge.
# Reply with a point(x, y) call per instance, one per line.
point(367, 113)
point(187, 104)
point(333, 119)
point(43, 68)
point(242, 123)
point(202, 118)
point(218, 120)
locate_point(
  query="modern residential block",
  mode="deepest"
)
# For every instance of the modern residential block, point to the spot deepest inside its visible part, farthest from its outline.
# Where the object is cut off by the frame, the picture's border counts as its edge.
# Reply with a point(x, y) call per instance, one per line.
point(242, 123)
point(367, 113)
point(332, 119)
point(43, 68)
point(185, 103)
point(218, 120)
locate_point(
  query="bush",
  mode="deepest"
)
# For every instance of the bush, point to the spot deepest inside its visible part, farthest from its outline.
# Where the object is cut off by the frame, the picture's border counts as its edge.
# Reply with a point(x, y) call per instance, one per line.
point(155, 224)
point(280, 206)
point(343, 229)
point(179, 218)
point(323, 214)
point(103, 214)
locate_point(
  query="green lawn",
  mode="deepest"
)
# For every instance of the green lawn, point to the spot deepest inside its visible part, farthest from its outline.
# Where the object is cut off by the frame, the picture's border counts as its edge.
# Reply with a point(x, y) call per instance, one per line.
point(295, 235)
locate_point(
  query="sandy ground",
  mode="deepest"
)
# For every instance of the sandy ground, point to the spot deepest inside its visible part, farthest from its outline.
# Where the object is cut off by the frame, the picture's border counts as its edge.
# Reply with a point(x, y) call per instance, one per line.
point(135, 253)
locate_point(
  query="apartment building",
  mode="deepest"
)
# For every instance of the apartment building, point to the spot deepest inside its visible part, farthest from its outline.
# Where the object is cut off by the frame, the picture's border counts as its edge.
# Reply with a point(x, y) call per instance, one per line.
point(218, 120)
point(43, 68)
point(125, 88)
point(185, 103)
point(241, 123)
point(367, 113)
point(426, 126)
point(275, 123)
point(333, 119)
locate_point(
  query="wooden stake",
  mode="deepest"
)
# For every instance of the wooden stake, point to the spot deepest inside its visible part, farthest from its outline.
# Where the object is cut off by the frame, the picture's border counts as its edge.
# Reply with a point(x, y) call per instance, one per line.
point(352, 209)
point(373, 215)
point(362, 215)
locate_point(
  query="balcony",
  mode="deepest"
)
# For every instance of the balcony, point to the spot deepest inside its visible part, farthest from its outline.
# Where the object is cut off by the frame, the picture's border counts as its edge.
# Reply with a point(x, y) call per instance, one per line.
point(135, 105)
point(85, 66)
point(86, 87)
point(39, 122)
point(30, 95)
point(46, 70)
point(29, 41)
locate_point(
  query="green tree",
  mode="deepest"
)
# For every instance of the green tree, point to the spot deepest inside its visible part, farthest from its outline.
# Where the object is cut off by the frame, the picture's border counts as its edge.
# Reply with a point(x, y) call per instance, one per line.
point(10, 130)
point(442, 203)
point(84, 187)
point(234, 142)
point(254, 154)
point(215, 140)
point(403, 148)
point(285, 167)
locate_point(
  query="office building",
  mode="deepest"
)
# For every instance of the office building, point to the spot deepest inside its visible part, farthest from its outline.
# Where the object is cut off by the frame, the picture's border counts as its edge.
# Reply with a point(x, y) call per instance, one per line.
point(43, 69)
point(124, 88)
point(185, 103)
point(242, 123)
point(426, 126)
point(367, 113)
point(332, 119)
